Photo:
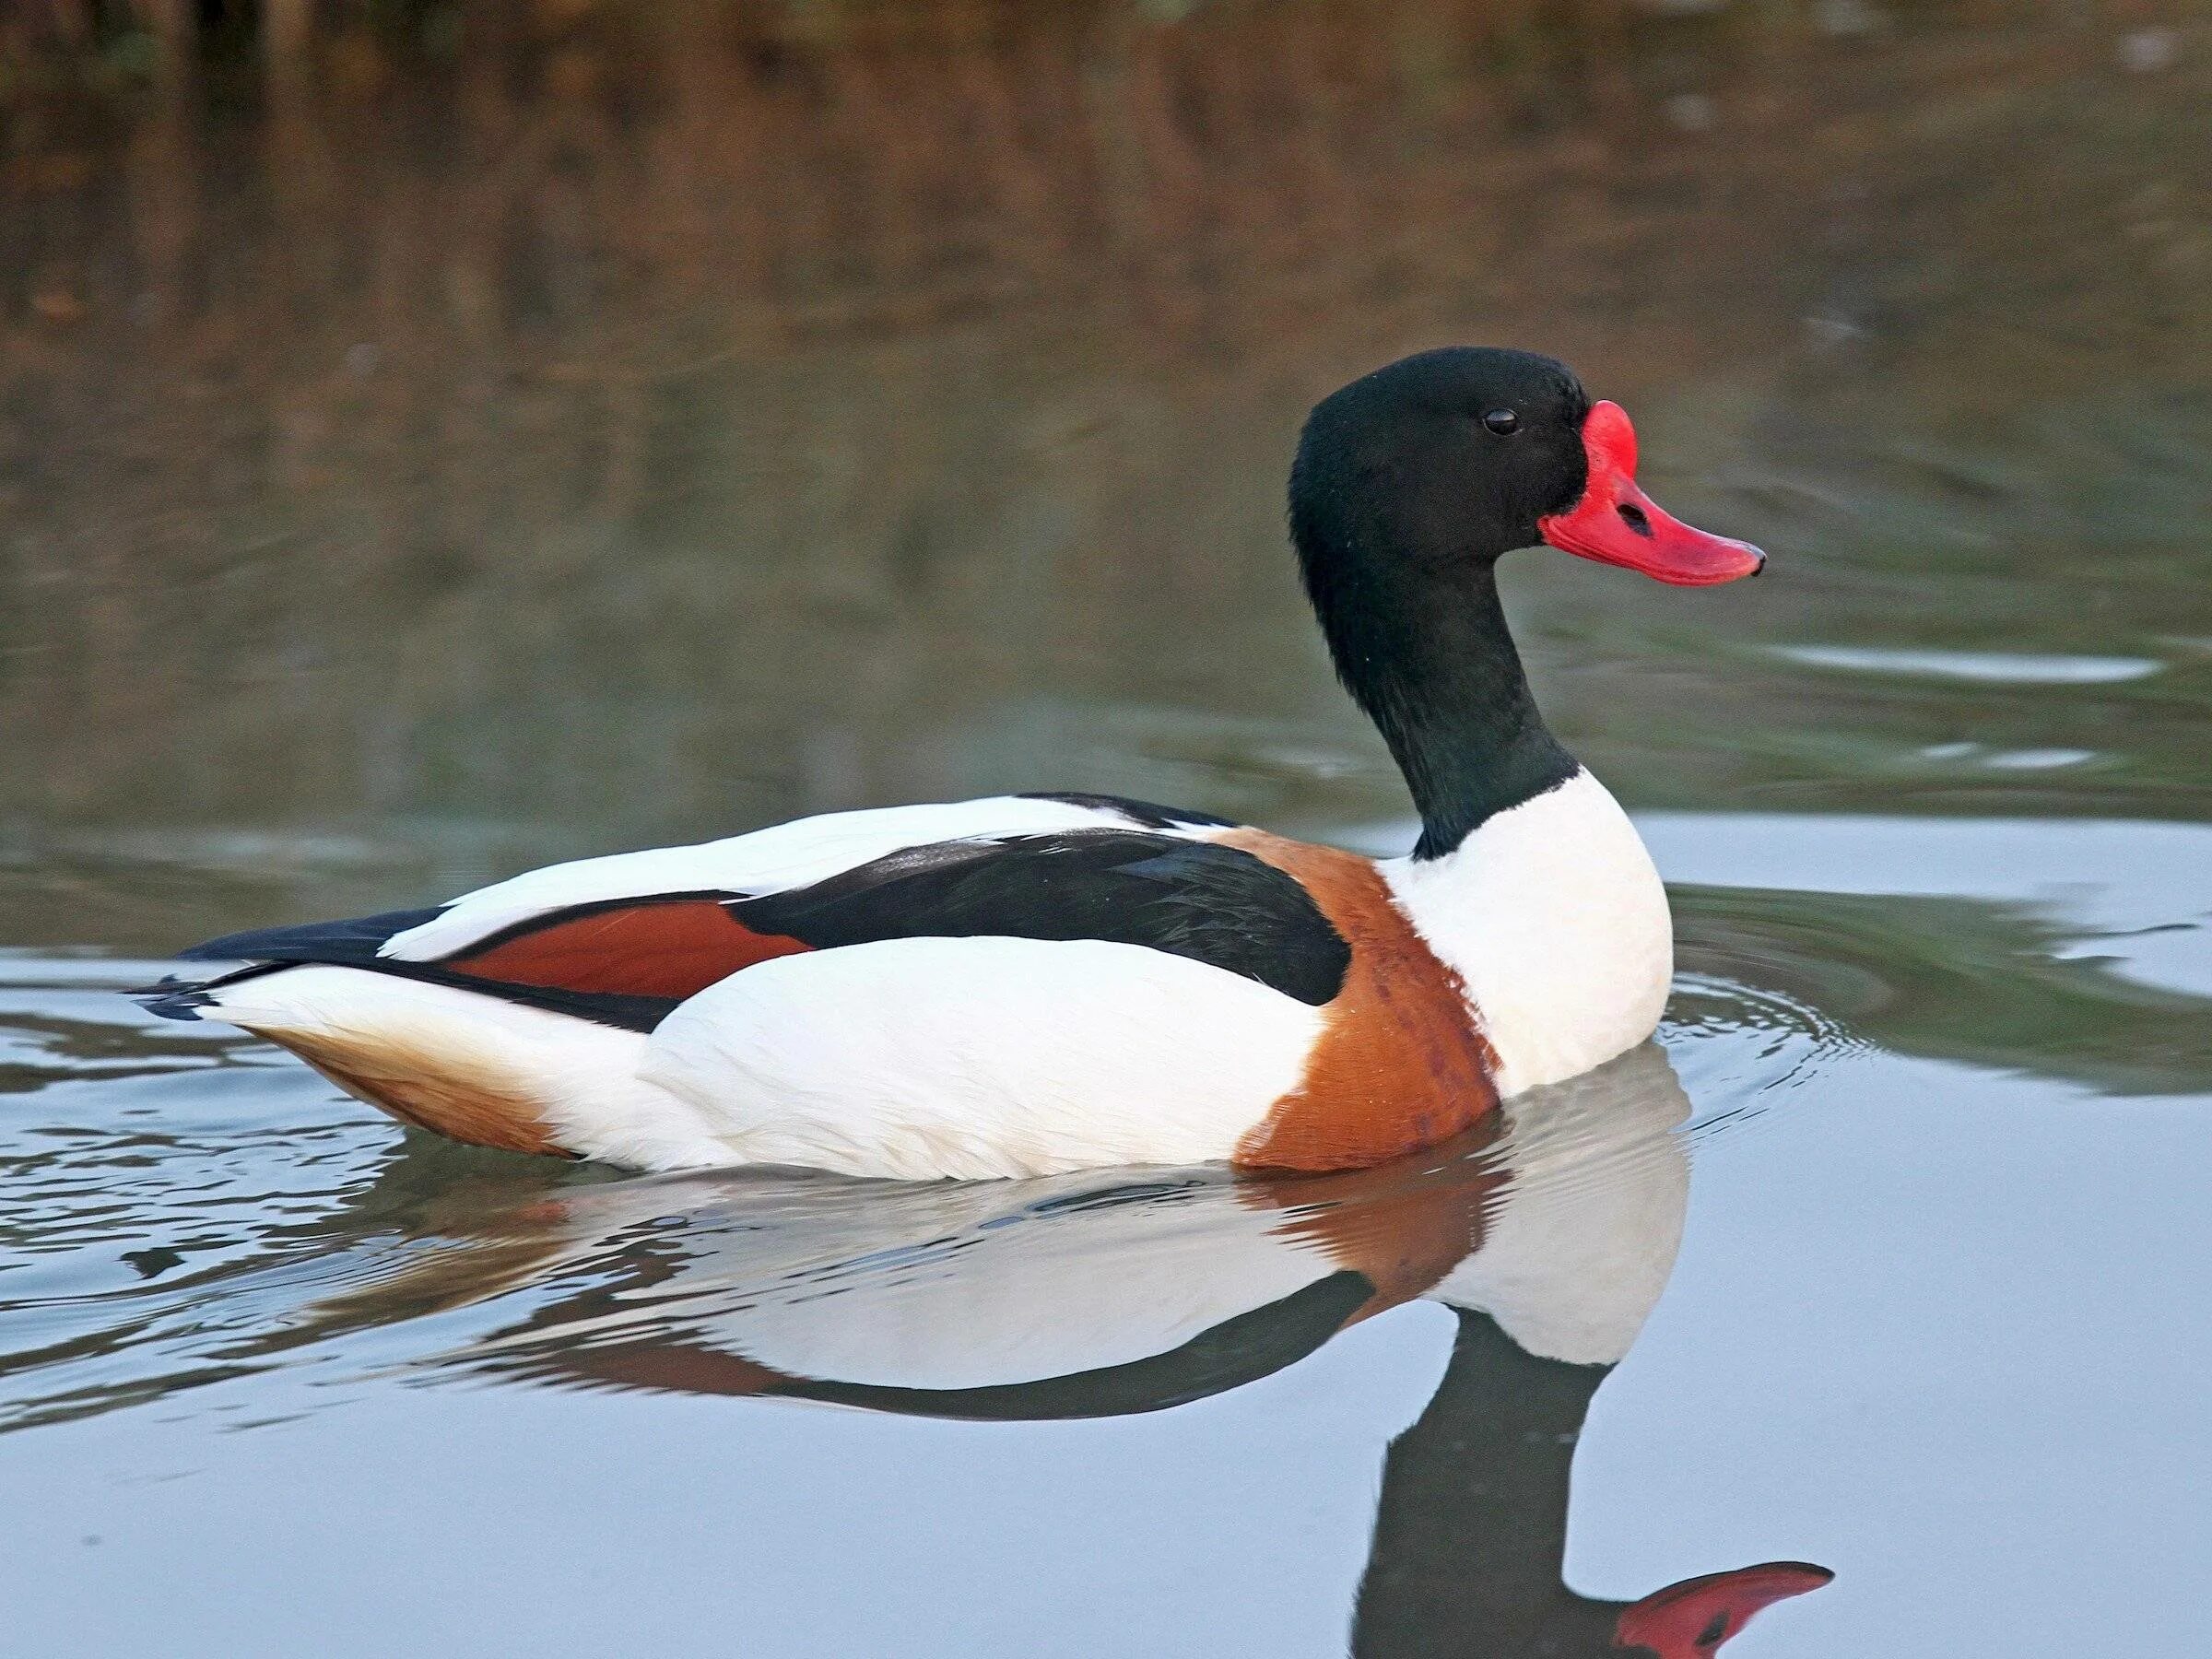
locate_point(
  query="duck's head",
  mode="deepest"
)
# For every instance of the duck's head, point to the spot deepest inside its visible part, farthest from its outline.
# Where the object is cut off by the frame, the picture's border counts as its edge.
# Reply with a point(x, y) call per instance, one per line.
point(1468, 453)
point(1409, 484)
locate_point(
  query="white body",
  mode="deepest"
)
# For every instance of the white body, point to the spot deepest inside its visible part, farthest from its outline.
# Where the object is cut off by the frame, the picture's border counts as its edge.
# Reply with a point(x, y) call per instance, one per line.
point(978, 1057)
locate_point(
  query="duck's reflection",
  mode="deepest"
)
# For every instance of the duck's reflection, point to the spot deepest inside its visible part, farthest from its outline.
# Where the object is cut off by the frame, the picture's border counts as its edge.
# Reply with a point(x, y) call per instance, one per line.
point(1550, 1235)
point(1472, 1524)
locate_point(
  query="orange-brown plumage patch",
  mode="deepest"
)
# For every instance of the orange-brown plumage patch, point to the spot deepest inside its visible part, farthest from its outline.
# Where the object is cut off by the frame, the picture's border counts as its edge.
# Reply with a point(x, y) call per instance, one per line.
point(673, 947)
point(1400, 1065)
point(428, 1090)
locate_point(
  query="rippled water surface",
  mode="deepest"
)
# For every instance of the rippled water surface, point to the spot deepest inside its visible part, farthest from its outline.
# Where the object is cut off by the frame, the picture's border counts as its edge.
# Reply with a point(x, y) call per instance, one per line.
point(483, 435)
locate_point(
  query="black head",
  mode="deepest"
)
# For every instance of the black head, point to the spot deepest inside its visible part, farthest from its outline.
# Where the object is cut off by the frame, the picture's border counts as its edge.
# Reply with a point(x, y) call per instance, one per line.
point(1470, 452)
point(1452, 455)
point(1409, 484)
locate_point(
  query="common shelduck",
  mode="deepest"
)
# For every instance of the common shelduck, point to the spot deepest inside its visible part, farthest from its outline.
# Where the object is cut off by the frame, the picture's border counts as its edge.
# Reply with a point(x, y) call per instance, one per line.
point(1035, 984)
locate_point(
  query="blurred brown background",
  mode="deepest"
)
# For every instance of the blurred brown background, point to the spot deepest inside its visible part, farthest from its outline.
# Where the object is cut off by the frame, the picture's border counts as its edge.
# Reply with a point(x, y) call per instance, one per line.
point(440, 436)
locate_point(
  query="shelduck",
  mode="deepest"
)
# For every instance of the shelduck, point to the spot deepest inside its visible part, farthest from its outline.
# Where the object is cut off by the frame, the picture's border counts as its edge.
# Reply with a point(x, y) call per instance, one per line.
point(1036, 983)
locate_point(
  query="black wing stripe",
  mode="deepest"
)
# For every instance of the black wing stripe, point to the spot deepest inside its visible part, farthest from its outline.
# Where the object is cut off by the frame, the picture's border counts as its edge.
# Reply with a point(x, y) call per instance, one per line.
point(1214, 904)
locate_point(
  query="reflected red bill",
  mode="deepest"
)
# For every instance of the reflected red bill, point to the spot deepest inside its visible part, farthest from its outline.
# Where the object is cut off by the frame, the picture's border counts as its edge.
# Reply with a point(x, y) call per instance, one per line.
point(1691, 1619)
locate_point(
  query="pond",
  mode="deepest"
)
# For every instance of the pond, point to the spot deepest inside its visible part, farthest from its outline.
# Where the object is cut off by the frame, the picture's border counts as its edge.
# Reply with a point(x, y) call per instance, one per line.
point(465, 445)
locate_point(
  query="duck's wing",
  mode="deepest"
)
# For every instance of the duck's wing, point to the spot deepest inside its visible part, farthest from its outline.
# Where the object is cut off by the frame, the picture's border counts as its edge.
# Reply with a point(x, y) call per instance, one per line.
point(781, 858)
point(623, 939)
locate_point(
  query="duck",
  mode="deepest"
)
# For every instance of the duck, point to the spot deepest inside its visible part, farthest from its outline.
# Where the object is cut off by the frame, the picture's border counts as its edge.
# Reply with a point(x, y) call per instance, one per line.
point(1036, 983)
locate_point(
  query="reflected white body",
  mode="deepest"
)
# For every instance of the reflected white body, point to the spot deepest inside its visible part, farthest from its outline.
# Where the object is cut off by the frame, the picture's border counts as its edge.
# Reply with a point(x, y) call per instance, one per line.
point(937, 1286)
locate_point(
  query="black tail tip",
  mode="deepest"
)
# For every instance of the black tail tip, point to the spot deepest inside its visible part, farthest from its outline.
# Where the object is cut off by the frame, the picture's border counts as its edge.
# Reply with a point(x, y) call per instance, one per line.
point(173, 998)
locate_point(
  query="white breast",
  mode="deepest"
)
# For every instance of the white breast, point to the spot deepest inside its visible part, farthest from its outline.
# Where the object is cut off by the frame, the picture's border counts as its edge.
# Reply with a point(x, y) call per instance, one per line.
point(1554, 918)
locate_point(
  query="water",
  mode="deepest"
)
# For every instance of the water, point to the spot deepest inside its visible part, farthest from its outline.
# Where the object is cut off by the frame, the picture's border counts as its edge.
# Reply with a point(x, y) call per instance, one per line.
point(506, 433)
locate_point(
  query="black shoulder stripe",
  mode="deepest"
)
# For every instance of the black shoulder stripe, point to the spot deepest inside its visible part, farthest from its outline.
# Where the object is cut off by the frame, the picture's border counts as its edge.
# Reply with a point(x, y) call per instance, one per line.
point(1146, 814)
point(1214, 904)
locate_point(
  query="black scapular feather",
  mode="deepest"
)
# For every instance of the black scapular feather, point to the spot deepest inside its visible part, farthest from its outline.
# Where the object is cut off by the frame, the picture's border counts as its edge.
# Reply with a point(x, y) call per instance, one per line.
point(1214, 904)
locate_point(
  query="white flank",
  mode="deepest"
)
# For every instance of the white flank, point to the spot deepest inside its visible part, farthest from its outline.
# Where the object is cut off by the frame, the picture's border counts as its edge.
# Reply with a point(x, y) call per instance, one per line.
point(774, 860)
point(982, 1057)
point(1554, 917)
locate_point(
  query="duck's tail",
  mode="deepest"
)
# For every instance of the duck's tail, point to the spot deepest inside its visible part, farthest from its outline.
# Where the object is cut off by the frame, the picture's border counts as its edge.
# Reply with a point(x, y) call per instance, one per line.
point(470, 1063)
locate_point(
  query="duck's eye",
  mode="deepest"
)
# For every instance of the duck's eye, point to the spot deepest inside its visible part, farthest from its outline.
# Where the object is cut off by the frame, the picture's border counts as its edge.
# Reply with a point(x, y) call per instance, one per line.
point(1501, 421)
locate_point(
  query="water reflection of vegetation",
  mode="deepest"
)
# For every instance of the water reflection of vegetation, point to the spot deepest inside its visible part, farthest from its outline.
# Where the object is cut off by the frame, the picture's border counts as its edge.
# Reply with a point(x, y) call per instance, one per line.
point(1954, 979)
point(636, 420)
